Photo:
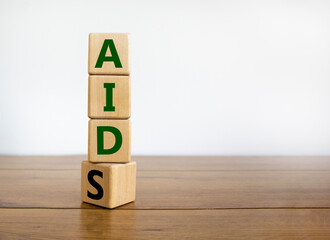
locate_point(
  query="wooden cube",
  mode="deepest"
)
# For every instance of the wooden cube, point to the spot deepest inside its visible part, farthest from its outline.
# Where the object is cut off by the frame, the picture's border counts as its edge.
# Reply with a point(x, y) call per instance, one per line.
point(109, 54)
point(108, 184)
point(109, 141)
point(109, 97)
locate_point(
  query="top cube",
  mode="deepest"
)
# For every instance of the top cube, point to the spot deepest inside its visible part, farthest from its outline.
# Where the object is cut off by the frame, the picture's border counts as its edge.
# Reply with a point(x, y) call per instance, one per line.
point(108, 54)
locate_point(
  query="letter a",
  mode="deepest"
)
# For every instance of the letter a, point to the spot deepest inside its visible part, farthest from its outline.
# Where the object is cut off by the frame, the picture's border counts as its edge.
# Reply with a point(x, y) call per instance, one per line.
point(108, 43)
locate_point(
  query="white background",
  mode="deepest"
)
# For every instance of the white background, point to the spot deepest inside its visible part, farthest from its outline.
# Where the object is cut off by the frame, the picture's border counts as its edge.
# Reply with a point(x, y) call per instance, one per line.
point(208, 77)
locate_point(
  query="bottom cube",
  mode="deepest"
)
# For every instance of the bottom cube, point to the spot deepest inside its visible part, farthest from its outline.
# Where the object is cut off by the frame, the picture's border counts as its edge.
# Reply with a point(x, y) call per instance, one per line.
point(108, 184)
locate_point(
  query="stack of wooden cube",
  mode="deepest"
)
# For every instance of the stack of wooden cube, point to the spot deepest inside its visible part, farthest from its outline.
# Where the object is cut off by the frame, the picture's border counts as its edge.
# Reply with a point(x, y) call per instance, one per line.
point(108, 178)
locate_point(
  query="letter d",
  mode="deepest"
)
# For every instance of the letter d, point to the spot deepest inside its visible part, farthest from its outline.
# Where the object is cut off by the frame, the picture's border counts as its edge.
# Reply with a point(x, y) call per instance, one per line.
point(100, 140)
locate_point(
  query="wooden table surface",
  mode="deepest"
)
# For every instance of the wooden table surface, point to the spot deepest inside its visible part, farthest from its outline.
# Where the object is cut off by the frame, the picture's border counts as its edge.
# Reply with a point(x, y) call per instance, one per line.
point(177, 198)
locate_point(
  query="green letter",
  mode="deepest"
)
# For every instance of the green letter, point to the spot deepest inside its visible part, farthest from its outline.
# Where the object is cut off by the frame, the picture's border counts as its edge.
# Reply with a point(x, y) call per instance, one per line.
point(109, 97)
point(114, 55)
point(100, 140)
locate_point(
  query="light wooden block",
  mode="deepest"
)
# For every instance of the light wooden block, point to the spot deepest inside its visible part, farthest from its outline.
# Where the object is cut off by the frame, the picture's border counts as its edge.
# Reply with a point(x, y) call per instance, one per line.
point(109, 97)
point(108, 184)
point(102, 41)
point(113, 131)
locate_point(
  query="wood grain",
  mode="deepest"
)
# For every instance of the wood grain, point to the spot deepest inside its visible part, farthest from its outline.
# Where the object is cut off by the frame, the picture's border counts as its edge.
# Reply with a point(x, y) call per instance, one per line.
point(121, 42)
point(178, 163)
point(121, 97)
point(177, 198)
point(158, 224)
point(118, 183)
point(175, 190)
point(123, 155)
